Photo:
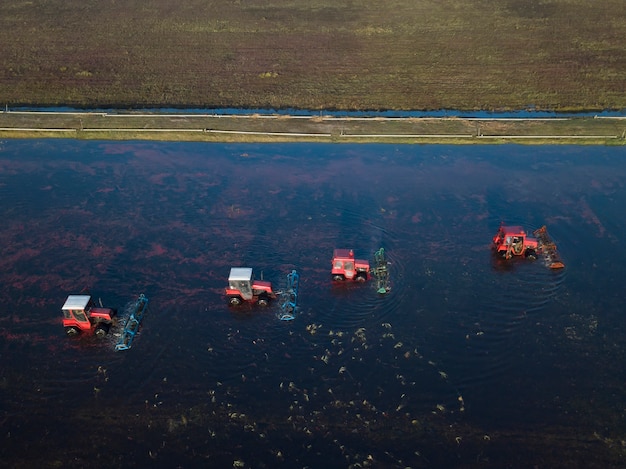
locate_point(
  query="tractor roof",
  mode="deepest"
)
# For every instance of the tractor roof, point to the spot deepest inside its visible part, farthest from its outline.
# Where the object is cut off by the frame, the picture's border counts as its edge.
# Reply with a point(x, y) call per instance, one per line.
point(514, 229)
point(240, 273)
point(76, 302)
point(343, 253)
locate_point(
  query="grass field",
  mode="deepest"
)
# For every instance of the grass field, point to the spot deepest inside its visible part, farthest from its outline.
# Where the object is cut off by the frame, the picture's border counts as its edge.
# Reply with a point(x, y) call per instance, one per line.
point(315, 54)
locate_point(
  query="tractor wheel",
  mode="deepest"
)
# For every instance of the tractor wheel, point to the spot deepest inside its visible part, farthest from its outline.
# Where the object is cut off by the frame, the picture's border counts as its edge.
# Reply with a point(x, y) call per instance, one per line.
point(531, 254)
point(338, 278)
point(362, 277)
point(234, 301)
point(264, 302)
point(101, 330)
point(72, 331)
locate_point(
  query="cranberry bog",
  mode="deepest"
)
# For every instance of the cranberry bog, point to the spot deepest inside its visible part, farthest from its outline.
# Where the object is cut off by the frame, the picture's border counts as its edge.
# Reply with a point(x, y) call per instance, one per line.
point(468, 361)
point(563, 55)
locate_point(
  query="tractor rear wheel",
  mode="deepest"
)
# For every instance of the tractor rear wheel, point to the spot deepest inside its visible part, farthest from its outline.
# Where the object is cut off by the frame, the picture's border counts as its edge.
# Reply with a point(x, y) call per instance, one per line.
point(338, 278)
point(101, 330)
point(234, 301)
point(72, 331)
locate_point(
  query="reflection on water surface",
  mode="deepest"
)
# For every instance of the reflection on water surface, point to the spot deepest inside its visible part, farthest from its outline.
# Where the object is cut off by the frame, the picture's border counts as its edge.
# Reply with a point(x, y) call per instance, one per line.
point(464, 362)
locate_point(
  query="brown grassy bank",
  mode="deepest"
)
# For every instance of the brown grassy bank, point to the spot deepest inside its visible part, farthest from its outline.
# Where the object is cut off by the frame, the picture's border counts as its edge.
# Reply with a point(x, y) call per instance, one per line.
point(314, 54)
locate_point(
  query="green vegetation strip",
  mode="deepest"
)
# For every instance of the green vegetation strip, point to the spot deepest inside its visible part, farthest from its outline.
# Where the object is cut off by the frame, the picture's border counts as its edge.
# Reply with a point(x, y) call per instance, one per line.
point(285, 128)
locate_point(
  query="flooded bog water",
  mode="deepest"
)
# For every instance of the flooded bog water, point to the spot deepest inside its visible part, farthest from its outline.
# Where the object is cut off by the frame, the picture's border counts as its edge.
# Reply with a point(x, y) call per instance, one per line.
point(468, 361)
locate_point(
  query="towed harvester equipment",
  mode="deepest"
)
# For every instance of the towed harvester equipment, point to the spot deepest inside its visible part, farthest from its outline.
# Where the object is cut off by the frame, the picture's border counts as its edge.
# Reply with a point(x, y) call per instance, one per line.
point(548, 248)
point(289, 297)
point(380, 272)
point(132, 324)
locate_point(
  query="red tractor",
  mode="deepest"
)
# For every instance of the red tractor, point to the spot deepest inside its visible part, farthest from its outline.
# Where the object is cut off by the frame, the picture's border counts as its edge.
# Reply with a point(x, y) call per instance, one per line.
point(346, 267)
point(243, 287)
point(80, 314)
point(512, 241)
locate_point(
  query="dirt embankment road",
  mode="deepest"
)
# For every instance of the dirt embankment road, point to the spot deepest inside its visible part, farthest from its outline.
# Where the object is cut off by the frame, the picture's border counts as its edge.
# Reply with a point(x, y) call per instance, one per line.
point(318, 128)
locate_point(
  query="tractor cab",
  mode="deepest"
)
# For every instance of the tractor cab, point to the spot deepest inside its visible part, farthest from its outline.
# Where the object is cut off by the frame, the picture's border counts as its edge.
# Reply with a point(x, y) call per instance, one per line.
point(81, 315)
point(75, 311)
point(346, 267)
point(243, 287)
point(512, 241)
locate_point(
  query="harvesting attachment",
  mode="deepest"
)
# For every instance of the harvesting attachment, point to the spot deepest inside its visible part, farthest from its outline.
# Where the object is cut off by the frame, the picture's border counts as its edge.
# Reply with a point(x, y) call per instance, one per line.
point(289, 297)
point(132, 324)
point(380, 272)
point(548, 248)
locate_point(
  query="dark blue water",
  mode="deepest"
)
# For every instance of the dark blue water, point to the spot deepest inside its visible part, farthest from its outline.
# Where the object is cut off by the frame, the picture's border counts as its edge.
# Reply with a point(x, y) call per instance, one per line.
point(467, 362)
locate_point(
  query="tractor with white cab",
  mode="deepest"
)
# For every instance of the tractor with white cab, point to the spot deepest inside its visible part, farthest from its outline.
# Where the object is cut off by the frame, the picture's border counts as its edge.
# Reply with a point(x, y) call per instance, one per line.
point(243, 287)
point(82, 315)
